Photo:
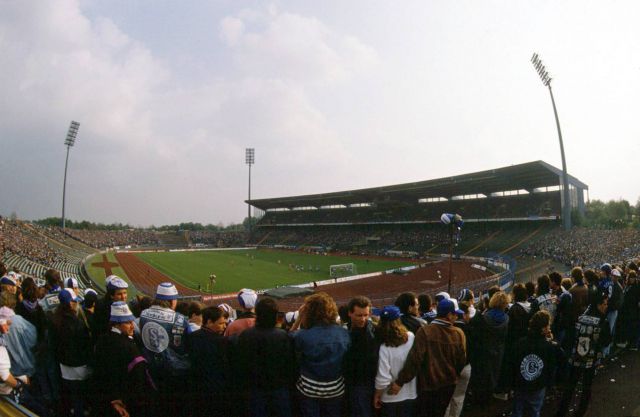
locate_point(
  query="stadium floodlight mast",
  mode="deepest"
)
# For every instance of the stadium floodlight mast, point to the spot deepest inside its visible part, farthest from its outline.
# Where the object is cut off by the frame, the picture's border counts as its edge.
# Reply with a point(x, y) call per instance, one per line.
point(538, 65)
point(250, 159)
point(69, 142)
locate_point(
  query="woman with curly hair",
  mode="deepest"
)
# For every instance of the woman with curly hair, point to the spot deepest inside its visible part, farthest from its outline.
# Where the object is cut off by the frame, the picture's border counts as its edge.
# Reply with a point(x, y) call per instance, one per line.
point(396, 342)
point(320, 345)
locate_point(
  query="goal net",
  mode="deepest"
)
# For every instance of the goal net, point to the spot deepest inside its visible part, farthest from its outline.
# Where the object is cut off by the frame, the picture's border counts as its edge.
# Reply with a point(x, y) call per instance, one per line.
point(342, 270)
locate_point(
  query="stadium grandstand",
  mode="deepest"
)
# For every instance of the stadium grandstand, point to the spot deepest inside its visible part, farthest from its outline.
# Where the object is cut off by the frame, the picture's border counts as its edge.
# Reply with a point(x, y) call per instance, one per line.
point(398, 217)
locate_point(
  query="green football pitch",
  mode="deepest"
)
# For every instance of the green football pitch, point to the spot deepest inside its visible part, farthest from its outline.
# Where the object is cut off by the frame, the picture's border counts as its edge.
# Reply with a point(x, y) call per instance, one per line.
point(257, 269)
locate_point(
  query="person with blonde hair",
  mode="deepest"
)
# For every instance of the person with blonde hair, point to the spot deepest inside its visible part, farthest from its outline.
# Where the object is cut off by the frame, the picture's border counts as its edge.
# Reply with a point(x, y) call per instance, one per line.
point(320, 345)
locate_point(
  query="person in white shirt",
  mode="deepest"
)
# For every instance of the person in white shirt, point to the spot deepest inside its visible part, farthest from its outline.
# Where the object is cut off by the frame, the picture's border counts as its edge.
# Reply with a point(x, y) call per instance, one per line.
point(396, 342)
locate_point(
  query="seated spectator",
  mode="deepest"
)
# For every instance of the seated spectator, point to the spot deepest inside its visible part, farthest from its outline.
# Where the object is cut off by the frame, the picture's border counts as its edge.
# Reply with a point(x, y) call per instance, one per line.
point(265, 360)
point(396, 342)
point(123, 383)
point(247, 318)
point(320, 345)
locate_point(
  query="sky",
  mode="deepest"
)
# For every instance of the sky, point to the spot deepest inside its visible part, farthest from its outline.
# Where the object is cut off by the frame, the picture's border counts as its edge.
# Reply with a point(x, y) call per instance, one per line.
point(332, 95)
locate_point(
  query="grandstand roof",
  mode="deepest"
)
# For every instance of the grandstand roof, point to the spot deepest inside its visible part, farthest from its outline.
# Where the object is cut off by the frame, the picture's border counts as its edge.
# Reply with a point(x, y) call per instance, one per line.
point(527, 176)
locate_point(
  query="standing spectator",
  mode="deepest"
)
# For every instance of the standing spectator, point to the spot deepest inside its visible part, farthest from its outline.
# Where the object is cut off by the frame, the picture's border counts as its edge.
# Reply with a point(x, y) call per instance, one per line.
point(410, 308)
point(630, 311)
point(72, 343)
point(544, 299)
point(592, 336)
point(53, 286)
point(396, 342)
point(162, 332)
point(533, 365)
point(21, 340)
point(116, 291)
point(579, 294)
point(10, 384)
point(609, 284)
point(437, 357)
point(361, 360)
point(427, 308)
point(210, 371)
point(488, 332)
point(562, 322)
point(194, 312)
point(121, 372)
point(457, 400)
point(247, 299)
point(267, 362)
point(320, 345)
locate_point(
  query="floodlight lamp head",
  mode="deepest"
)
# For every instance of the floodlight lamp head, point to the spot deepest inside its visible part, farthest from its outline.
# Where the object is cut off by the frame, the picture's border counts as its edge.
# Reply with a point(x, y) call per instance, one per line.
point(250, 156)
point(72, 133)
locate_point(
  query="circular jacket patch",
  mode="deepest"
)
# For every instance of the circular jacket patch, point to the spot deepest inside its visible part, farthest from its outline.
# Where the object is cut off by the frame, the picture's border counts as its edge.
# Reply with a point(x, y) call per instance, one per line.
point(531, 367)
point(155, 337)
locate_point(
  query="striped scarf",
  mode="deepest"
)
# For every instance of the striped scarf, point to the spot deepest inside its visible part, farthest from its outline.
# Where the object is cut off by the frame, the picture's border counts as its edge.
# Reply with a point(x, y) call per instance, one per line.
point(316, 389)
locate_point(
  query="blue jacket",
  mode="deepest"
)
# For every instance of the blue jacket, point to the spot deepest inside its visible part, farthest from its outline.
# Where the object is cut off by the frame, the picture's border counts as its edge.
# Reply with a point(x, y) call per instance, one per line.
point(320, 351)
point(21, 340)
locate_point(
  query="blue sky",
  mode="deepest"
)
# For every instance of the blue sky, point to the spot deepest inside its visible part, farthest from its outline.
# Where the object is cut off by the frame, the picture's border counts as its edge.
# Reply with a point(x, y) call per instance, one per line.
point(332, 95)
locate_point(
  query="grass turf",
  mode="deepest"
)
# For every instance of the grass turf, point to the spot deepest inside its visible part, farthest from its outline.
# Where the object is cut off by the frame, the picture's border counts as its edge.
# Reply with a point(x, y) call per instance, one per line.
point(256, 269)
point(97, 274)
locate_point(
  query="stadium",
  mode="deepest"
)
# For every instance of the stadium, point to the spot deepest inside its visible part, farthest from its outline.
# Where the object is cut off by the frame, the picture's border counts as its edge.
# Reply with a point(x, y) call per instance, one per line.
point(298, 238)
point(375, 242)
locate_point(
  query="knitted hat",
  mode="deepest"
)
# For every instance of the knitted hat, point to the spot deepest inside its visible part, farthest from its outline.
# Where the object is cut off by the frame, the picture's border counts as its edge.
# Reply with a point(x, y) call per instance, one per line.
point(116, 283)
point(90, 291)
point(71, 283)
point(7, 280)
point(442, 296)
point(290, 317)
point(390, 313)
point(464, 295)
point(67, 295)
point(120, 313)
point(247, 298)
point(230, 311)
point(166, 291)
point(606, 268)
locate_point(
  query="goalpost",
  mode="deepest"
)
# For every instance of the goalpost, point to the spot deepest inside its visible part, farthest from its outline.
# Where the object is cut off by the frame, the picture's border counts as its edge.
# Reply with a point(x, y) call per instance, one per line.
point(342, 270)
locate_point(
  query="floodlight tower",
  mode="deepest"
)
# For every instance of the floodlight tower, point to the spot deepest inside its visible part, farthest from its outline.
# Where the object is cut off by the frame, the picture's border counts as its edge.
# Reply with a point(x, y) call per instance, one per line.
point(69, 142)
point(250, 159)
point(546, 81)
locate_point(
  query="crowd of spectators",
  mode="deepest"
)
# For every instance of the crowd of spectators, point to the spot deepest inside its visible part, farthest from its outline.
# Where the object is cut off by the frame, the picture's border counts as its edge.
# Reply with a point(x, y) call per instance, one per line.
point(582, 246)
point(219, 239)
point(66, 355)
point(20, 240)
point(101, 239)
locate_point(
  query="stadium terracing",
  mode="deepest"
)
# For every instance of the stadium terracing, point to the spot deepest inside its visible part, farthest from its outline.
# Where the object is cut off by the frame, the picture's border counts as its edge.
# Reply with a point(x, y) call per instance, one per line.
point(526, 192)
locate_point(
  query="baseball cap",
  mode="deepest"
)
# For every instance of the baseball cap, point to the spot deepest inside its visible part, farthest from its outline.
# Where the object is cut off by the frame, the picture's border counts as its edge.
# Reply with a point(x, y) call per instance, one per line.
point(447, 306)
point(166, 291)
point(247, 298)
point(390, 313)
point(67, 295)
